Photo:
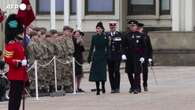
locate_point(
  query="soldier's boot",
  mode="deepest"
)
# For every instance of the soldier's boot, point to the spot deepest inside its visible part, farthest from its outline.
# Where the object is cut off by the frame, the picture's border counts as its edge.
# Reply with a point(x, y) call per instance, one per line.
point(131, 90)
point(145, 85)
point(146, 89)
point(51, 88)
point(139, 89)
point(68, 89)
point(135, 91)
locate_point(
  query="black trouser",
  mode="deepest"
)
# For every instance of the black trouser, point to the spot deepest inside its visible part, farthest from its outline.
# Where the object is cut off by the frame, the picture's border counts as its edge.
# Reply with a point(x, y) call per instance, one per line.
point(114, 74)
point(133, 69)
point(134, 80)
point(145, 74)
point(2, 93)
point(15, 94)
point(3, 87)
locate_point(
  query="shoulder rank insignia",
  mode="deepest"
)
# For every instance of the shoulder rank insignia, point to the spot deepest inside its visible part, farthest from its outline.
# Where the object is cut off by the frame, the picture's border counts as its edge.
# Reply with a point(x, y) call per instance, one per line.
point(8, 54)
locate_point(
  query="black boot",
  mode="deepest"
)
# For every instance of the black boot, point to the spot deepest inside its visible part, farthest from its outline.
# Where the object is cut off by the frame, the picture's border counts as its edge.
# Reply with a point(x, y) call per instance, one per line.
point(131, 90)
point(98, 92)
point(136, 91)
point(145, 89)
point(98, 88)
point(103, 87)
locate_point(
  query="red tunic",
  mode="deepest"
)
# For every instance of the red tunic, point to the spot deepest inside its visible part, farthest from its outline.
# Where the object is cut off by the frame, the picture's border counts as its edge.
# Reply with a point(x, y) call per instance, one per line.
point(14, 52)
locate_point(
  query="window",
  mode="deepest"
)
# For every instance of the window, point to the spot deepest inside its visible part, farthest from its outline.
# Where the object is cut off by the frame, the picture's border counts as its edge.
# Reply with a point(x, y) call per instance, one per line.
point(165, 7)
point(73, 7)
point(141, 7)
point(45, 9)
point(100, 6)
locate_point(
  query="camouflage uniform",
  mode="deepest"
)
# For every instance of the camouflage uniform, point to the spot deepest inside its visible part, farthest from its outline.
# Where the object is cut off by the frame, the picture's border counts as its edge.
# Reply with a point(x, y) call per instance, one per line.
point(43, 51)
point(31, 58)
point(42, 71)
point(60, 54)
point(68, 68)
point(49, 70)
point(34, 53)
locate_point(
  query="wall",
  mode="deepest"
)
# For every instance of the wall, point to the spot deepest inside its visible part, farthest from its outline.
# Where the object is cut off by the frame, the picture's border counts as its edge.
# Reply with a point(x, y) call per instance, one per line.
point(174, 48)
point(170, 48)
point(89, 21)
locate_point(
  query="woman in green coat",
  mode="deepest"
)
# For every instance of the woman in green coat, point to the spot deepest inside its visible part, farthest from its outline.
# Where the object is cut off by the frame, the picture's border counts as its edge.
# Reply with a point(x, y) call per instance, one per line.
point(98, 56)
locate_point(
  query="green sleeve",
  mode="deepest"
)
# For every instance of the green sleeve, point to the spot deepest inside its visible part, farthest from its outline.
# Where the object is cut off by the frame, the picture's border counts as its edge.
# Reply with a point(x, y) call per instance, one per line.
point(91, 49)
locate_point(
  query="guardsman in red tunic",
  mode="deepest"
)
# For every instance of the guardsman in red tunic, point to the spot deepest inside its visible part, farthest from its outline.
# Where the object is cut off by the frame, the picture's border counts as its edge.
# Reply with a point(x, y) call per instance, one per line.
point(15, 57)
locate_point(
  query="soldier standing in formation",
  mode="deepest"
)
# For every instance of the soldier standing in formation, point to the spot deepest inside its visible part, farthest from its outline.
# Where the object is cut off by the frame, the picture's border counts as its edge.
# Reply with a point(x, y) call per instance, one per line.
point(134, 46)
point(43, 47)
point(148, 55)
point(114, 57)
point(68, 34)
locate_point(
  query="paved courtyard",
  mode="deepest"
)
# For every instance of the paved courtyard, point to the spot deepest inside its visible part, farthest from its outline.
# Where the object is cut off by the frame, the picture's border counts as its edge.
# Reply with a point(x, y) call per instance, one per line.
point(175, 91)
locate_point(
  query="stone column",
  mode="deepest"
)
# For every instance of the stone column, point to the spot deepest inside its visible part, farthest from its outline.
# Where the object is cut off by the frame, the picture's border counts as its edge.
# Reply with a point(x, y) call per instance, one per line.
point(66, 12)
point(189, 24)
point(175, 15)
point(53, 14)
point(79, 14)
point(123, 14)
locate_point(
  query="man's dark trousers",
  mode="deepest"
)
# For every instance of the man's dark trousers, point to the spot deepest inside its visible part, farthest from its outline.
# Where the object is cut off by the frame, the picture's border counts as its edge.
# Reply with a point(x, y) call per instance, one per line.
point(15, 94)
point(114, 74)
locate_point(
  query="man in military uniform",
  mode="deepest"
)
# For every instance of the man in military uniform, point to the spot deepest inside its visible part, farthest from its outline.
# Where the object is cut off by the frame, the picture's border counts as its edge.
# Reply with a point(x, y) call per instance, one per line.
point(148, 55)
point(68, 33)
point(60, 53)
point(15, 57)
point(134, 49)
point(32, 52)
point(114, 57)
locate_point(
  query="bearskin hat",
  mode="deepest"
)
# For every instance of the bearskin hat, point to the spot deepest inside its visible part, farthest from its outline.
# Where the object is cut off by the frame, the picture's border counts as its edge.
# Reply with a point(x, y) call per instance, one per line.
point(13, 27)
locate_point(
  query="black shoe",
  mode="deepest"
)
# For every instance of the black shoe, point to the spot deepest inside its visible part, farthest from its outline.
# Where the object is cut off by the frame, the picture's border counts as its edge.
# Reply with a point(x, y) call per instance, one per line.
point(131, 90)
point(139, 90)
point(103, 91)
point(146, 89)
point(80, 90)
point(117, 91)
point(113, 91)
point(135, 91)
point(98, 92)
point(93, 90)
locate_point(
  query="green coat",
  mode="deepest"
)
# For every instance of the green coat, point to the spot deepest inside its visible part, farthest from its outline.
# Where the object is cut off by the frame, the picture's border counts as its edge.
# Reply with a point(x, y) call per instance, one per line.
point(98, 55)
